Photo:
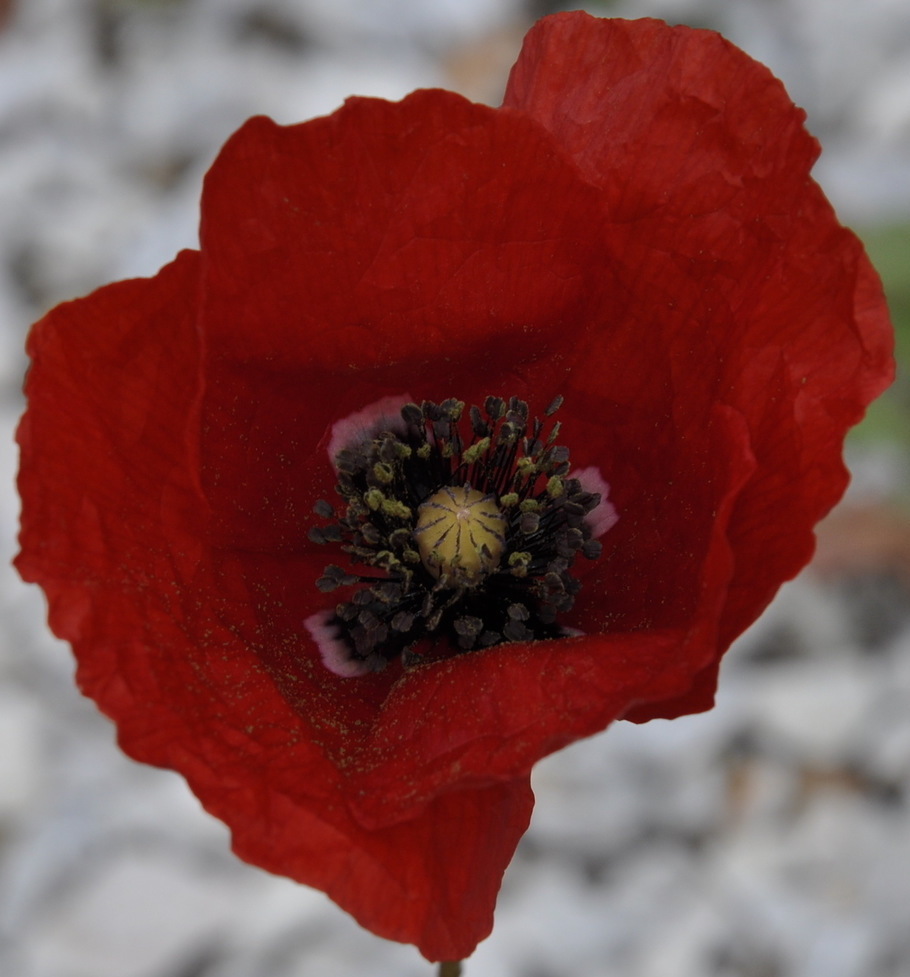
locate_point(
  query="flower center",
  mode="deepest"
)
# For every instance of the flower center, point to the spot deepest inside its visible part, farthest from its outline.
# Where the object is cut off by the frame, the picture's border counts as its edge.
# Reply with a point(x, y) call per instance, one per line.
point(468, 537)
point(460, 534)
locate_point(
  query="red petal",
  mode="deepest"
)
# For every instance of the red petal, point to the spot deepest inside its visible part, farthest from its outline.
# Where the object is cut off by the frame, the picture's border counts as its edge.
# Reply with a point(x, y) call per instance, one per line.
point(769, 304)
point(431, 881)
point(391, 232)
point(124, 554)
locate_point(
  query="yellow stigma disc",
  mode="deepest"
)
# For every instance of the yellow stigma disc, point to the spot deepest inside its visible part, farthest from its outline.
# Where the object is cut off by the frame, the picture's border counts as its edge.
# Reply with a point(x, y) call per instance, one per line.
point(460, 533)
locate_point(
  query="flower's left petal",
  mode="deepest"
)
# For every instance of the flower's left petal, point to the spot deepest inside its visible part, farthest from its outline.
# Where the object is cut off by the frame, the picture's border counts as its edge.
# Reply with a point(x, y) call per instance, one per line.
point(117, 533)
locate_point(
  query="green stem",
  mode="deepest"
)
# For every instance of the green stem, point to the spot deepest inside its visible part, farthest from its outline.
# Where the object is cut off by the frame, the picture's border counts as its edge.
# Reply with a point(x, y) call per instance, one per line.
point(450, 968)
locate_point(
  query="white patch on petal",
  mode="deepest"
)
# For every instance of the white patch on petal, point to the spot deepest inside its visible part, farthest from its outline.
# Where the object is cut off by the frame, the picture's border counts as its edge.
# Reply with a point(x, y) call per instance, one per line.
point(605, 516)
point(382, 415)
point(335, 654)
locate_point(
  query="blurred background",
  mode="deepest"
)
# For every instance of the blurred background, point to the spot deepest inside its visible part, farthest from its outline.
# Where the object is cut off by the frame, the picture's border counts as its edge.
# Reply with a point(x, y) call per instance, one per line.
point(769, 838)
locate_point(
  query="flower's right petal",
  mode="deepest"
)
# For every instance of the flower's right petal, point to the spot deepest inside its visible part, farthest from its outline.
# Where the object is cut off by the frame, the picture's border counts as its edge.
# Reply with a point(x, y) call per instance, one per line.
point(731, 252)
point(674, 124)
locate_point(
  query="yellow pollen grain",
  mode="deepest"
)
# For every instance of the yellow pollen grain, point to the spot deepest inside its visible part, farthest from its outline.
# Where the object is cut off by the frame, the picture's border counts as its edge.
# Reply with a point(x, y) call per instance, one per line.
point(460, 532)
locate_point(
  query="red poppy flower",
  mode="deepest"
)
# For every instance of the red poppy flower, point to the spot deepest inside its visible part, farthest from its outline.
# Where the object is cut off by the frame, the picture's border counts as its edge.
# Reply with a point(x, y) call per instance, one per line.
point(635, 230)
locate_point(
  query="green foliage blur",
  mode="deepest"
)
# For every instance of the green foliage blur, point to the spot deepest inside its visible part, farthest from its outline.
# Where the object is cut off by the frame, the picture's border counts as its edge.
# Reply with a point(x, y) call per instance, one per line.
point(889, 248)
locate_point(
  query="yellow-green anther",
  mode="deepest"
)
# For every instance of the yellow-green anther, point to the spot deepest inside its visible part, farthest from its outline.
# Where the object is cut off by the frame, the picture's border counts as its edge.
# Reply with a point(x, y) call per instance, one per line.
point(386, 558)
point(472, 454)
point(519, 563)
point(383, 473)
point(395, 509)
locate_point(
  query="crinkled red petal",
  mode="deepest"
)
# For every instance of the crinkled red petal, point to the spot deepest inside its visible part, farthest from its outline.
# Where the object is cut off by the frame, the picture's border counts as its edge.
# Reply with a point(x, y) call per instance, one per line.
point(770, 305)
point(117, 532)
